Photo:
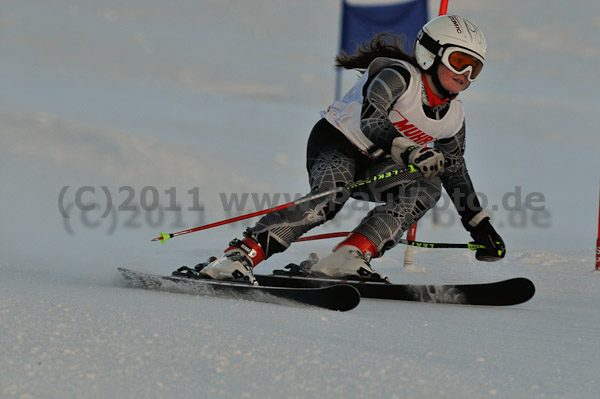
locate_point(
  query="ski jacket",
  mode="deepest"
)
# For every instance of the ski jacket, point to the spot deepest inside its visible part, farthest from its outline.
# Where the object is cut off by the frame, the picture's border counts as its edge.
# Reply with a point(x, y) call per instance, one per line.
point(387, 102)
point(390, 100)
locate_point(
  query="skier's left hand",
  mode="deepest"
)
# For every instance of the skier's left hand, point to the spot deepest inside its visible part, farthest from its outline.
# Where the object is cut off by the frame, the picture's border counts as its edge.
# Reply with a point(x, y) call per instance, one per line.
point(485, 234)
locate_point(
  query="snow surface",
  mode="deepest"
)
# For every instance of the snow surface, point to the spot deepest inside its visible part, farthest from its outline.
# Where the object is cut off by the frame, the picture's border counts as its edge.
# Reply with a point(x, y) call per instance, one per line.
point(216, 98)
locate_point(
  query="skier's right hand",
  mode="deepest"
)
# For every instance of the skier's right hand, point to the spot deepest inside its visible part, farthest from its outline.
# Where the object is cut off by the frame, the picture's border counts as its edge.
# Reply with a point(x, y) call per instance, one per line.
point(429, 161)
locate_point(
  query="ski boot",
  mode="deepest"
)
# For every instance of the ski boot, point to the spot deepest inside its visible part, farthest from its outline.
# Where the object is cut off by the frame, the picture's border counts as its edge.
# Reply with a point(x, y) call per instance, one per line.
point(349, 260)
point(235, 264)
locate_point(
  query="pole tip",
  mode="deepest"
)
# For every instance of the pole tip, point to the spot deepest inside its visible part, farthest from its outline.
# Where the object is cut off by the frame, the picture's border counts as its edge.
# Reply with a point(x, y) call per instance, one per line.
point(164, 237)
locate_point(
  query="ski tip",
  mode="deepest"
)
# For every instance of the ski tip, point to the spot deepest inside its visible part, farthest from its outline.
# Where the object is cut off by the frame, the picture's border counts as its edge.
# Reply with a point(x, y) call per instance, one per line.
point(509, 292)
point(521, 282)
point(525, 287)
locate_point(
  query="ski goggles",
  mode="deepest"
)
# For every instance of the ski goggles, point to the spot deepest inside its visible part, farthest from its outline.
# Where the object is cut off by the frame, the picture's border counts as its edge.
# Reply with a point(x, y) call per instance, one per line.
point(459, 60)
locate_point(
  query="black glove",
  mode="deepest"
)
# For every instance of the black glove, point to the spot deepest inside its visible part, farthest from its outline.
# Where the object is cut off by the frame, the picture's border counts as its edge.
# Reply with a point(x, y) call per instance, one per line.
point(485, 235)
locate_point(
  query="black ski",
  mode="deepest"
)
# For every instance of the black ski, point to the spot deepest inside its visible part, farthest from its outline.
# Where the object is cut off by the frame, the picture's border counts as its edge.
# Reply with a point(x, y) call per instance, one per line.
point(341, 297)
point(500, 293)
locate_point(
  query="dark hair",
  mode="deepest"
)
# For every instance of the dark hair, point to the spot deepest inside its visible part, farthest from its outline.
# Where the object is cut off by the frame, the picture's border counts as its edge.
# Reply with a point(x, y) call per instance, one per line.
point(381, 45)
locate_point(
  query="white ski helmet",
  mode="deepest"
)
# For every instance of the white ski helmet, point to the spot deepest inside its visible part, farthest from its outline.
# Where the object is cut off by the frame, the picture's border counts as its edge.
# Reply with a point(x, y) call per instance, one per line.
point(448, 31)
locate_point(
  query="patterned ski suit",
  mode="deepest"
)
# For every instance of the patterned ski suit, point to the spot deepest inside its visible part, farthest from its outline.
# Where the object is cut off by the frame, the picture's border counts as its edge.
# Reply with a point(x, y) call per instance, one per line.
point(353, 141)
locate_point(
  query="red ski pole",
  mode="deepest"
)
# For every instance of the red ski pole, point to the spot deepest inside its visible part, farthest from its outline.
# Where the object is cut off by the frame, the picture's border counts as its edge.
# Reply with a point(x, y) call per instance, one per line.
point(409, 169)
point(471, 245)
point(164, 237)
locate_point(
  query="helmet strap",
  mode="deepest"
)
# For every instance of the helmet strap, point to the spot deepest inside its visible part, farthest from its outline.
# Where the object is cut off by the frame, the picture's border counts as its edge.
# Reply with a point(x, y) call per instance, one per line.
point(433, 98)
point(438, 84)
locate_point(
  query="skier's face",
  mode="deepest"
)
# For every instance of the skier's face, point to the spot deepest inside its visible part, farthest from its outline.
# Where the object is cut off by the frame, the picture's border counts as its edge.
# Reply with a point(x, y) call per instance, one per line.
point(453, 82)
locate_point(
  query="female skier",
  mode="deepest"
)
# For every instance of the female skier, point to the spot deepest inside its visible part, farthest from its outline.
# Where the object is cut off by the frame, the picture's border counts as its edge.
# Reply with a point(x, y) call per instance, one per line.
point(400, 104)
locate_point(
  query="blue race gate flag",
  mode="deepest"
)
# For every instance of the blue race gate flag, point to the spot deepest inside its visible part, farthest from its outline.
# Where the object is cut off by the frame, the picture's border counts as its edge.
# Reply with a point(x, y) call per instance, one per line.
point(361, 22)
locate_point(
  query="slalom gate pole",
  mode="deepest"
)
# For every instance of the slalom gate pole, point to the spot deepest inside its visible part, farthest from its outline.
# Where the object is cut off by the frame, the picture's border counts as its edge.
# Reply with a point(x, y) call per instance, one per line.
point(598, 241)
point(409, 254)
point(443, 7)
point(411, 235)
point(410, 243)
point(409, 169)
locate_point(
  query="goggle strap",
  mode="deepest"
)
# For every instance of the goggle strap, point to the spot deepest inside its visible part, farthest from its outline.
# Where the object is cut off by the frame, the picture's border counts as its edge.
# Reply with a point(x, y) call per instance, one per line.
point(428, 42)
